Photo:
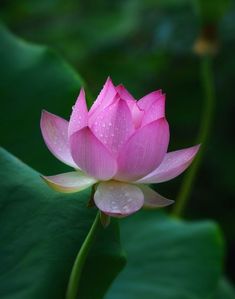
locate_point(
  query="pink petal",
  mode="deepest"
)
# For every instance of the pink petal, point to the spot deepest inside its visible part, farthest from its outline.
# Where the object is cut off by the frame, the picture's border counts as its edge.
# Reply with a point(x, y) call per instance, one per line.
point(55, 133)
point(91, 155)
point(124, 94)
point(145, 102)
point(118, 199)
point(154, 200)
point(144, 151)
point(173, 164)
point(79, 116)
point(137, 113)
point(104, 99)
point(113, 126)
point(69, 182)
point(156, 111)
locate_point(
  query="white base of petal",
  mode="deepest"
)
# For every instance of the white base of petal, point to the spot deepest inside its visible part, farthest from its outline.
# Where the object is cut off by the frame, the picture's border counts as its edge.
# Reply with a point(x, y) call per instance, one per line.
point(118, 199)
point(69, 182)
point(154, 200)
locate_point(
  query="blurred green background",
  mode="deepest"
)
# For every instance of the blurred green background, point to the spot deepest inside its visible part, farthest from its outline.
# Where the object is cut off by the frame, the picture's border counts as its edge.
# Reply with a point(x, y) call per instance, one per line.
point(145, 45)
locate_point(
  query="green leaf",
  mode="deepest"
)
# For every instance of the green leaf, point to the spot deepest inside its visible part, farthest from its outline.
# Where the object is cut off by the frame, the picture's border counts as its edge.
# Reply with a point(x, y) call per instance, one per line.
point(168, 258)
point(41, 233)
point(33, 78)
point(225, 290)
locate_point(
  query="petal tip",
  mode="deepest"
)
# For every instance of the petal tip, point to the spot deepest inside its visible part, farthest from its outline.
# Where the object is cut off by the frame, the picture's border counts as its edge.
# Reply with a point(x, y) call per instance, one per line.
point(69, 182)
point(153, 200)
point(197, 147)
point(81, 93)
point(109, 80)
point(193, 150)
point(48, 182)
point(166, 203)
point(44, 113)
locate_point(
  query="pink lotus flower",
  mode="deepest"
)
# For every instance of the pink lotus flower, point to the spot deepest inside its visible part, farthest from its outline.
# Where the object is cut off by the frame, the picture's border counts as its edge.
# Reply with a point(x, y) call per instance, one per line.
point(120, 145)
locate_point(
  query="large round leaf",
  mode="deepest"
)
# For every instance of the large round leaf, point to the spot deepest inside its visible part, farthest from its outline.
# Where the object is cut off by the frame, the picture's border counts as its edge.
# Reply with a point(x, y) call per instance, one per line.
point(225, 290)
point(32, 78)
point(41, 233)
point(168, 258)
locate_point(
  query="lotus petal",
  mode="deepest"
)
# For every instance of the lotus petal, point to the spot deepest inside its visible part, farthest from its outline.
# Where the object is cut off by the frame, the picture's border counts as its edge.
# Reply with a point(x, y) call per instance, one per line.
point(79, 116)
point(69, 182)
point(118, 199)
point(124, 94)
point(91, 155)
point(55, 133)
point(145, 102)
point(154, 200)
point(113, 126)
point(156, 111)
point(173, 164)
point(144, 151)
point(105, 98)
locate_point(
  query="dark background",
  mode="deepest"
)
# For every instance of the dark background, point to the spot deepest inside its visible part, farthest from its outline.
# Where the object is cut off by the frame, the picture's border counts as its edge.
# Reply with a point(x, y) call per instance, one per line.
point(148, 45)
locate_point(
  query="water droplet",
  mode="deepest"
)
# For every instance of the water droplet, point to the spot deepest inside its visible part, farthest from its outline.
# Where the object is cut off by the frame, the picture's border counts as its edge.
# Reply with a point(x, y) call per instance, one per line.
point(125, 208)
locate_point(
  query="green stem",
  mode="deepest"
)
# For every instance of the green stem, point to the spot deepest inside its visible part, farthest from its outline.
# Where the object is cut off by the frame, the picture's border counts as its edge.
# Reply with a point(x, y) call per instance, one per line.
point(204, 132)
point(72, 290)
